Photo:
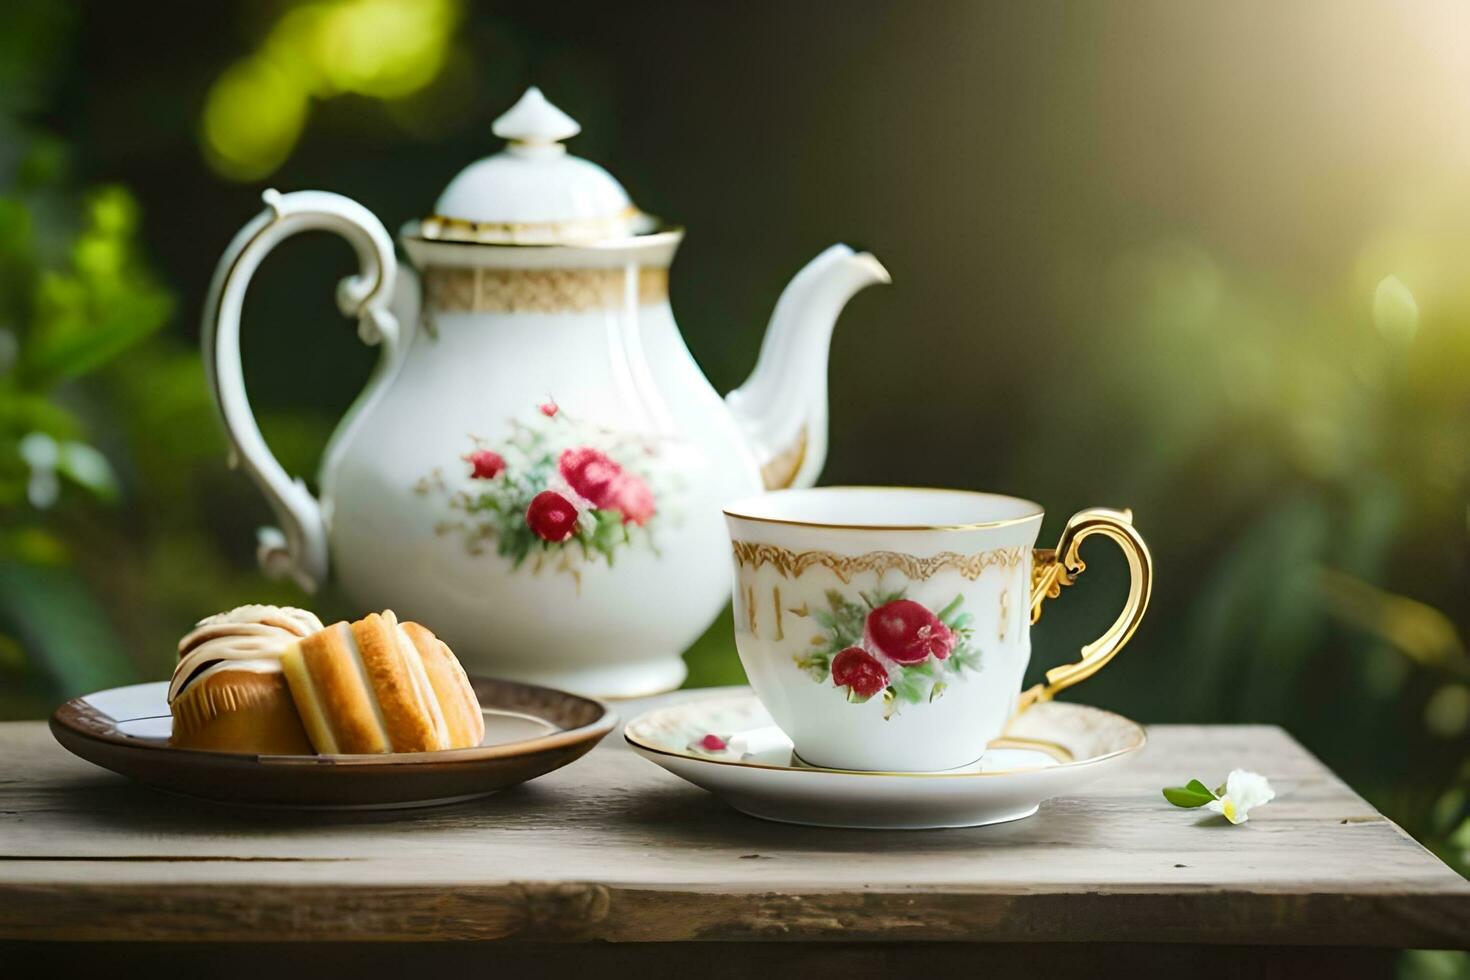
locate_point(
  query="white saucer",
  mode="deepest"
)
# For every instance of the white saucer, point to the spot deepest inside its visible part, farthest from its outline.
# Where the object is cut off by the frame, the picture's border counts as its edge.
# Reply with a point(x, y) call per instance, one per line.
point(1053, 749)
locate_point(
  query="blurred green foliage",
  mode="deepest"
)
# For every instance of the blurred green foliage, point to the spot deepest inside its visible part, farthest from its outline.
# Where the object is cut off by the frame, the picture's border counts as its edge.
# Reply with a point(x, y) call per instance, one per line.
point(1326, 460)
point(104, 424)
point(74, 296)
point(1125, 274)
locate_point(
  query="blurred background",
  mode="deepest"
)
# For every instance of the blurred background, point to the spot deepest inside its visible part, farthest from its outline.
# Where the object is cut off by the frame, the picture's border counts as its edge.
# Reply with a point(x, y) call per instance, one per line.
point(1208, 261)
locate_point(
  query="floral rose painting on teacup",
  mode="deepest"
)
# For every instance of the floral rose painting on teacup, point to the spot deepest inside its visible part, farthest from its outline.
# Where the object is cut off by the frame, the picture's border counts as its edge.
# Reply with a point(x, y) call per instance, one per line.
point(887, 644)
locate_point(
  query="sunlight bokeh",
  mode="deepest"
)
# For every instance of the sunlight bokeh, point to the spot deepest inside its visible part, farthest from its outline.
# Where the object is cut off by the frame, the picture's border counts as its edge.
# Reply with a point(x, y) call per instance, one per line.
point(380, 49)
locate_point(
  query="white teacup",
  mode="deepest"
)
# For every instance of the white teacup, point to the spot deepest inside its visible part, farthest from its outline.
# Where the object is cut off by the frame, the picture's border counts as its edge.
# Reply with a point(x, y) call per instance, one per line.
point(889, 628)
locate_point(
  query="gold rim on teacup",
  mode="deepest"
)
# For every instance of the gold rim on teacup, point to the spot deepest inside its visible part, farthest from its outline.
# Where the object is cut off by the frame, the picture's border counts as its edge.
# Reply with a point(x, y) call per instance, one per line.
point(1037, 511)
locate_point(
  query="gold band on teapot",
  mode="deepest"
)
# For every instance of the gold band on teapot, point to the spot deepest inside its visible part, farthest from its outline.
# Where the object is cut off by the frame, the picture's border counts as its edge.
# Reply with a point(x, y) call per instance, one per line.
point(450, 289)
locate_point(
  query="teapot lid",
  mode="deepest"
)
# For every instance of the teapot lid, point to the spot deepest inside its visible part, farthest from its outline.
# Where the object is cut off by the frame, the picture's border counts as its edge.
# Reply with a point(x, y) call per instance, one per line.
point(533, 192)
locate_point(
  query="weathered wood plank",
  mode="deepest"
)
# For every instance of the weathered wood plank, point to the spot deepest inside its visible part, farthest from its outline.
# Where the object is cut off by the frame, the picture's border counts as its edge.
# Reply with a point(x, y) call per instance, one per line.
point(613, 848)
point(567, 912)
point(710, 961)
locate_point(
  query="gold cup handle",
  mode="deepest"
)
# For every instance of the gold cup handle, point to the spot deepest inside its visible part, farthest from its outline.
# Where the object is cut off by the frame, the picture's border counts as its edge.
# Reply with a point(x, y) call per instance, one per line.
point(1053, 568)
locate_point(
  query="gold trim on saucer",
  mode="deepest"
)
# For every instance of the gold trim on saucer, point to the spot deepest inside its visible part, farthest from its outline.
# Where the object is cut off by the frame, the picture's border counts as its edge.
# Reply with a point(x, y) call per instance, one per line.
point(1139, 740)
point(1057, 752)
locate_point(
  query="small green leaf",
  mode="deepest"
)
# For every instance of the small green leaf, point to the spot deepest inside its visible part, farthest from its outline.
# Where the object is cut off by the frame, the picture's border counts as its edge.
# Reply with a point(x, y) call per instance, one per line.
point(963, 657)
point(816, 665)
point(1194, 794)
point(1181, 797)
point(908, 686)
point(947, 614)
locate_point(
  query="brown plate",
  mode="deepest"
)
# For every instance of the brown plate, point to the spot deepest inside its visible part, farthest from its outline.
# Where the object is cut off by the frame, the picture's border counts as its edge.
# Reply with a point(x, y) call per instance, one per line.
point(529, 731)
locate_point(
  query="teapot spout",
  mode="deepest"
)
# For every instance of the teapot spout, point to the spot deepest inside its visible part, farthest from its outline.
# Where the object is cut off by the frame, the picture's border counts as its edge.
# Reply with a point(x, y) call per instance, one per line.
point(782, 406)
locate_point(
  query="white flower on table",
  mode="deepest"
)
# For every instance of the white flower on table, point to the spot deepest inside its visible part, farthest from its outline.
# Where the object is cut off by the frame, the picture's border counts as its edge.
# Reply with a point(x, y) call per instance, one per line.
point(1243, 790)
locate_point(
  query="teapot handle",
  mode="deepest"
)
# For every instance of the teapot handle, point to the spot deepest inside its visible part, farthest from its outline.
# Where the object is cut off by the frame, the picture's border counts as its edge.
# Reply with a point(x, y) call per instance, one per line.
point(298, 548)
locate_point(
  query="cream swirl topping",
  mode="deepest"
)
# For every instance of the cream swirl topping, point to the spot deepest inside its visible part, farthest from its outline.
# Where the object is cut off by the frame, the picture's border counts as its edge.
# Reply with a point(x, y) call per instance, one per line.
point(248, 637)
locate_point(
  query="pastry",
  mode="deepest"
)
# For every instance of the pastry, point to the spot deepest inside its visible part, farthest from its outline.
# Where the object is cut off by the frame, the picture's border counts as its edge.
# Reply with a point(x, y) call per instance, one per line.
point(377, 685)
point(229, 693)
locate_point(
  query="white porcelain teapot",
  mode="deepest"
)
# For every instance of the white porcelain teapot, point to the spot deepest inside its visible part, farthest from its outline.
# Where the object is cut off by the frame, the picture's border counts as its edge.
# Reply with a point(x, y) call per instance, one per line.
point(536, 467)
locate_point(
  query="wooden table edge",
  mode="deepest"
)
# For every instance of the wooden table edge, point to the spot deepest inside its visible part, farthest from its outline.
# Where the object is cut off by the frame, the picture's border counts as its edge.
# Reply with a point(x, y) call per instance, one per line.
point(596, 912)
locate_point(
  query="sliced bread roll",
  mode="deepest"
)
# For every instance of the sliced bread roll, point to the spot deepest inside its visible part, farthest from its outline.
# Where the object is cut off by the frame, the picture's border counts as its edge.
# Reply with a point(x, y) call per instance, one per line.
point(376, 685)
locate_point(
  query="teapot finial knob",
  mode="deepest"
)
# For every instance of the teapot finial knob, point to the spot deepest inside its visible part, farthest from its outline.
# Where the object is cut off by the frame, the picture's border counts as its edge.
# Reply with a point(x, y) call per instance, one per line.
point(533, 121)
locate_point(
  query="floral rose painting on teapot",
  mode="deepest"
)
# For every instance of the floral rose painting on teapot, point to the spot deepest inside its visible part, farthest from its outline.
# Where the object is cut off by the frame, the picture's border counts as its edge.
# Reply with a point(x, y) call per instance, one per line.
point(558, 492)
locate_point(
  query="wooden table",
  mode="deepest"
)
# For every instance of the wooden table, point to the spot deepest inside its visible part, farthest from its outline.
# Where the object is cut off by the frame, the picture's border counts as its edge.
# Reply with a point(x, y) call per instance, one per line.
point(614, 862)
